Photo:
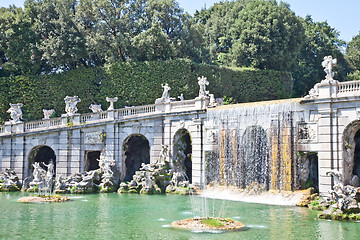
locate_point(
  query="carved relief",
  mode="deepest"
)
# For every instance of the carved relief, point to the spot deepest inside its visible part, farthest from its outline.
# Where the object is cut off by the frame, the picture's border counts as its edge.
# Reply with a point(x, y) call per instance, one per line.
point(306, 133)
point(94, 137)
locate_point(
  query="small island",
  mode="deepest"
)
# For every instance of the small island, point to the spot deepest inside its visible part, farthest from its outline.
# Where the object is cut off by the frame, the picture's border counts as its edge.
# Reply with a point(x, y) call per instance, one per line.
point(37, 199)
point(210, 223)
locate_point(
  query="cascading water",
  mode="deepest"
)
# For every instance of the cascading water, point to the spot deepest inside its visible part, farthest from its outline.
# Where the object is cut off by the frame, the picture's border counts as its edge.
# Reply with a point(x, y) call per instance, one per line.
point(253, 143)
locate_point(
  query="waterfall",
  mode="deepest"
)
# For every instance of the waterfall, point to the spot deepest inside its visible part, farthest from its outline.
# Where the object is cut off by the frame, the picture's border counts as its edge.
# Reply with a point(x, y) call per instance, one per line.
point(253, 143)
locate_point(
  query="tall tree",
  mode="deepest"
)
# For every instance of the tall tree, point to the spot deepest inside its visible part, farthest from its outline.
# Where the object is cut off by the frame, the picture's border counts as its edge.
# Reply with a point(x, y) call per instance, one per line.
point(62, 43)
point(217, 22)
point(18, 51)
point(353, 57)
point(321, 40)
point(266, 35)
point(109, 26)
point(153, 44)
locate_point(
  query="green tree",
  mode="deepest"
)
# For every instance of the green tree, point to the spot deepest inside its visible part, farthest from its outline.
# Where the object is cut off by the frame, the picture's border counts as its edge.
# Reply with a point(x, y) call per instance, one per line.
point(321, 40)
point(179, 27)
point(153, 44)
point(217, 22)
point(62, 43)
point(18, 51)
point(266, 35)
point(109, 26)
point(353, 53)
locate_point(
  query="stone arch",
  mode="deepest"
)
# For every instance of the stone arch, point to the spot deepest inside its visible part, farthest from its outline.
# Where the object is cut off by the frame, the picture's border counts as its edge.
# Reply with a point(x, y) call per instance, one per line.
point(254, 152)
point(351, 153)
point(182, 152)
point(136, 150)
point(42, 154)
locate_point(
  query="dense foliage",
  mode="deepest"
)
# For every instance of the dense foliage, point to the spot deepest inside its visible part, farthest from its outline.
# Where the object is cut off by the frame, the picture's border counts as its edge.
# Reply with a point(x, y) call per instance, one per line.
point(353, 57)
point(321, 40)
point(49, 43)
point(93, 85)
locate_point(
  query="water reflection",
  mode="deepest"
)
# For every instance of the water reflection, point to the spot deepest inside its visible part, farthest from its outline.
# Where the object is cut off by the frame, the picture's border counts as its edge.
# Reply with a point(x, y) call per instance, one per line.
point(112, 216)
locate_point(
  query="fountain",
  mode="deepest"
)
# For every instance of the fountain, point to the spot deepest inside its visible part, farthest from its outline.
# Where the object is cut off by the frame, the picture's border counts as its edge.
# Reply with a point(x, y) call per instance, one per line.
point(42, 184)
point(103, 179)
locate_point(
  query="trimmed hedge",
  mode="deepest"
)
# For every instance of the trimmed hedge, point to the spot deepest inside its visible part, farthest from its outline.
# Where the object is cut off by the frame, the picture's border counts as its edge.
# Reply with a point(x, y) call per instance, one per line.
point(137, 83)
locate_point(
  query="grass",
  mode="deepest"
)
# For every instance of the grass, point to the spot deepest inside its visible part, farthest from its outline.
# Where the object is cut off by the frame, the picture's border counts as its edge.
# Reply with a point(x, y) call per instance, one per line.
point(212, 222)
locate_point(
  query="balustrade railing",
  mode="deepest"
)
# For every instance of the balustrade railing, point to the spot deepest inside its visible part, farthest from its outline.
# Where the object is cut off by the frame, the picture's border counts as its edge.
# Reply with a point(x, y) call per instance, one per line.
point(47, 123)
point(124, 112)
point(90, 117)
point(103, 116)
point(348, 88)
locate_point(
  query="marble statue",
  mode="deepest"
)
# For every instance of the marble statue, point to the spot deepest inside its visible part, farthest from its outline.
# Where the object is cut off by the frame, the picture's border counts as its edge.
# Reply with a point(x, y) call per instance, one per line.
point(166, 94)
point(314, 92)
point(181, 97)
point(203, 82)
point(15, 112)
point(37, 173)
point(111, 101)
point(212, 101)
point(164, 153)
point(105, 164)
point(48, 113)
point(343, 196)
point(165, 98)
point(337, 176)
point(95, 108)
point(70, 107)
point(49, 176)
point(328, 64)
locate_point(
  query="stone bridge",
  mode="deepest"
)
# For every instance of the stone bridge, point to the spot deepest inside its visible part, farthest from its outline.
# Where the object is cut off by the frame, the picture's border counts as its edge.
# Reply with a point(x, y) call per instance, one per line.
point(284, 144)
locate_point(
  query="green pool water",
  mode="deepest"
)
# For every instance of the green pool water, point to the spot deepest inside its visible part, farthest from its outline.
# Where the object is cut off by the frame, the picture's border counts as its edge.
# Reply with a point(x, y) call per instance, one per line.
point(113, 216)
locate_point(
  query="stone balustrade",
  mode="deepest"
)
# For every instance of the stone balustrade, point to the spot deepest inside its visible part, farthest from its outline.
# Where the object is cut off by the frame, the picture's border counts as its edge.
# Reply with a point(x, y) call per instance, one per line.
point(334, 89)
point(98, 117)
point(131, 111)
point(348, 88)
point(40, 124)
point(93, 117)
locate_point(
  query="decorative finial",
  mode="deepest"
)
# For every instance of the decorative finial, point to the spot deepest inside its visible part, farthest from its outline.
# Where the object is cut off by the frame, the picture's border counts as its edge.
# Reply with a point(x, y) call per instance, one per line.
point(111, 101)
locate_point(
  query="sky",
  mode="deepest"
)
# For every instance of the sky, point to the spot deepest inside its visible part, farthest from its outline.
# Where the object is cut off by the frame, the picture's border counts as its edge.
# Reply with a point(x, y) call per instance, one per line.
point(343, 15)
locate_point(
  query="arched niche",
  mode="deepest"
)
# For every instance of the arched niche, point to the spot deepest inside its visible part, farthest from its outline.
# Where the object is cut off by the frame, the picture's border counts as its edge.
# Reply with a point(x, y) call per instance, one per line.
point(254, 151)
point(136, 150)
point(91, 160)
point(43, 155)
point(182, 153)
point(351, 154)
